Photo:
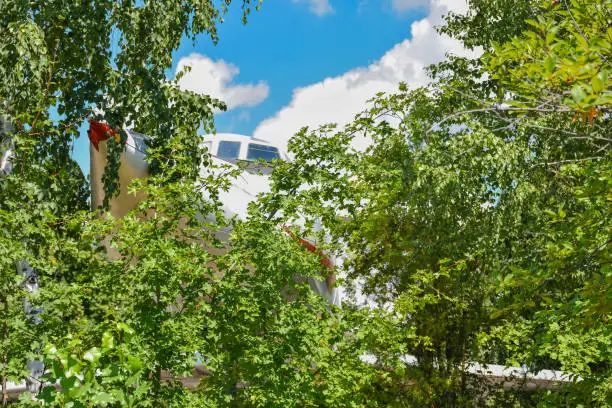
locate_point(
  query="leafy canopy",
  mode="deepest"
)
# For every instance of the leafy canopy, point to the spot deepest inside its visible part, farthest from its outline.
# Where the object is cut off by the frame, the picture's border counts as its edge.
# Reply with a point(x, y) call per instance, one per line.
point(478, 220)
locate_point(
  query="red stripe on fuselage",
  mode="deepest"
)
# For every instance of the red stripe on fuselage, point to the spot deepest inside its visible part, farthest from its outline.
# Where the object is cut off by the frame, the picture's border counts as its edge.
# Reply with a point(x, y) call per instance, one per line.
point(325, 261)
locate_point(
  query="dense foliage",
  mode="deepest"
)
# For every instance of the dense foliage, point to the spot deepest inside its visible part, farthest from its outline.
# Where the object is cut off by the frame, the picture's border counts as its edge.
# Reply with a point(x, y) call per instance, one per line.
point(121, 330)
point(480, 212)
point(477, 222)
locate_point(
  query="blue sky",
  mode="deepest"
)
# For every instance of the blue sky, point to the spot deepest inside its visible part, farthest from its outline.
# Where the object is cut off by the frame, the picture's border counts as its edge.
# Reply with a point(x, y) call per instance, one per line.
point(309, 62)
point(288, 46)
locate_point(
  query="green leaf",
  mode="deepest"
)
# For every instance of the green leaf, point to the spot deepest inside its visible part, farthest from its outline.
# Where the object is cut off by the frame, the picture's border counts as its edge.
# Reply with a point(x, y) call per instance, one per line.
point(103, 398)
point(48, 394)
point(550, 63)
point(108, 340)
point(597, 84)
point(92, 355)
point(578, 93)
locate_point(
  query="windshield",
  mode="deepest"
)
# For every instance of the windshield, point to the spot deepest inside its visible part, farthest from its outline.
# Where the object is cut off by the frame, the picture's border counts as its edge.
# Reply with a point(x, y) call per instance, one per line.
point(258, 151)
point(228, 150)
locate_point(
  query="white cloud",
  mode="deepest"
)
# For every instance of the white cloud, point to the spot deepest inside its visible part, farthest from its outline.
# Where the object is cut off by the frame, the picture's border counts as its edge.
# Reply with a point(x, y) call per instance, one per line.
point(214, 78)
point(403, 5)
point(319, 7)
point(338, 99)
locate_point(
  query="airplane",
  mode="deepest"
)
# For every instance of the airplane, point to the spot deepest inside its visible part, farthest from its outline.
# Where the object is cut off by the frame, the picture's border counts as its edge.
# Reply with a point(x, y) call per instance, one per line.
point(226, 149)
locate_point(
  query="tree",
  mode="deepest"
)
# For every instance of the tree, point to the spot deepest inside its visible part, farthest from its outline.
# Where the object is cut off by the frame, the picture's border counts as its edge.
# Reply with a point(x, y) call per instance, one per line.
point(480, 213)
point(478, 220)
point(120, 331)
point(63, 62)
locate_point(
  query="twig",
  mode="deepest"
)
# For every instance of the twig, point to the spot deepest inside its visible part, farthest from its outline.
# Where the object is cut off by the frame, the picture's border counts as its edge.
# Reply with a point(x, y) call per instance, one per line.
point(49, 78)
point(498, 109)
point(570, 161)
point(4, 356)
point(574, 135)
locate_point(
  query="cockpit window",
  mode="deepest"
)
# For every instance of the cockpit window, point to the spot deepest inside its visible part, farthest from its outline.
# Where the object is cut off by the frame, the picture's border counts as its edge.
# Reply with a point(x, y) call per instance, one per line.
point(140, 141)
point(228, 150)
point(258, 151)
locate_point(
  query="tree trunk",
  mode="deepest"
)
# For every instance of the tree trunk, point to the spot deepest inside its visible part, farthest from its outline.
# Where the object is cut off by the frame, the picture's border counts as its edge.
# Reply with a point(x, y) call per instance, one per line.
point(4, 356)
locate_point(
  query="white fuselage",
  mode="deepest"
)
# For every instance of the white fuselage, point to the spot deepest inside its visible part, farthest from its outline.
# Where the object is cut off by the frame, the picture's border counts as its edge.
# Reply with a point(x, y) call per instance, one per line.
point(226, 149)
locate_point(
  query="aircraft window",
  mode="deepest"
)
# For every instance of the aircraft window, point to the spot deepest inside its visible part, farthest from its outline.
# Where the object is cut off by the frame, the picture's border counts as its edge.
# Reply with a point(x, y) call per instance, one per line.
point(228, 150)
point(258, 151)
point(140, 141)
